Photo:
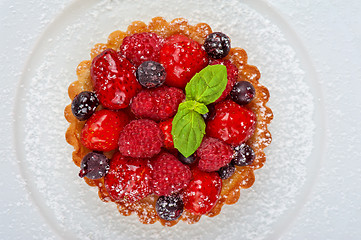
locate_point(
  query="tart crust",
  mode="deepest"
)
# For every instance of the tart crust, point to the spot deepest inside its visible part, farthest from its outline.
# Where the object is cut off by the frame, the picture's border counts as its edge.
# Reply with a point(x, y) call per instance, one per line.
point(242, 178)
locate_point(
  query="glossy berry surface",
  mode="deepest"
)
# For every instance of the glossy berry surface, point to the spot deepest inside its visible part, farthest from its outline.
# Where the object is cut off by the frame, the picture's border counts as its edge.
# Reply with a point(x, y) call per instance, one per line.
point(210, 114)
point(243, 155)
point(84, 105)
point(243, 92)
point(94, 165)
point(232, 123)
point(186, 160)
point(169, 208)
point(102, 130)
point(217, 45)
point(151, 74)
point(128, 179)
point(202, 192)
point(227, 171)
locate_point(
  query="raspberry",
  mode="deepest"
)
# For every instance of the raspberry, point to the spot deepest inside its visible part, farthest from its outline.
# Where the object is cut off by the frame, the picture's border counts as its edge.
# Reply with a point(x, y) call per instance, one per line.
point(166, 128)
point(157, 104)
point(169, 175)
point(213, 154)
point(232, 76)
point(141, 139)
point(128, 179)
point(231, 123)
point(141, 47)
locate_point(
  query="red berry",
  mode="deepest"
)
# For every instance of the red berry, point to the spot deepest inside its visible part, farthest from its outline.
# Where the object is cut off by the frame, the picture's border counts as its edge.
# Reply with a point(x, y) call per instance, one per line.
point(157, 104)
point(101, 131)
point(128, 179)
point(141, 139)
point(232, 76)
point(182, 58)
point(231, 123)
point(141, 47)
point(213, 154)
point(113, 79)
point(202, 192)
point(169, 175)
point(166, 127)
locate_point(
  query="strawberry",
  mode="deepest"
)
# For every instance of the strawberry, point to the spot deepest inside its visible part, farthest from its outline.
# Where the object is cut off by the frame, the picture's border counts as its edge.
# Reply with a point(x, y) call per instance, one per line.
point(128, 178)
point(141, 47)
point(202, 192)
point(102, 130)
point(213, 154)
point(113, 79)
point(166, 127)
point(232, 76)
point(169, 175)
point(231, 123)
point(182, 58)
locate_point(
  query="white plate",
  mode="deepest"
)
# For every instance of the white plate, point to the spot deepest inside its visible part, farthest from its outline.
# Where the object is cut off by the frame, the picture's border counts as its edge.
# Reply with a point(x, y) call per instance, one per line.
point(73, 209)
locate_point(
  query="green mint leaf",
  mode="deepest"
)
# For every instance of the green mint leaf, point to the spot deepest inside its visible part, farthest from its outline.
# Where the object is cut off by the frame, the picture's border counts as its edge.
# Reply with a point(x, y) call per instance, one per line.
point(193, 105)
point(207, 85)
point(188, 129)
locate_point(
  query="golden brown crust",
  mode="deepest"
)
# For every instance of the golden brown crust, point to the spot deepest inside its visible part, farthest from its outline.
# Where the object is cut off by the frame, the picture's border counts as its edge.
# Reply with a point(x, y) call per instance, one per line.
point(243, 177)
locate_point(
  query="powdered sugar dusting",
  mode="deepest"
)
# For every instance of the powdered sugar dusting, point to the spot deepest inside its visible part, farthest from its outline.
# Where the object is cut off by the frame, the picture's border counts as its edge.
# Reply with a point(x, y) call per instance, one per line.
point(75, 209)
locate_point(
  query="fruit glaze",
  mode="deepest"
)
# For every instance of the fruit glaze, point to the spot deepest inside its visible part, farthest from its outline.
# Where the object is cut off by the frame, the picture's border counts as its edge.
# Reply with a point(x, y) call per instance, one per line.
point(121, 129)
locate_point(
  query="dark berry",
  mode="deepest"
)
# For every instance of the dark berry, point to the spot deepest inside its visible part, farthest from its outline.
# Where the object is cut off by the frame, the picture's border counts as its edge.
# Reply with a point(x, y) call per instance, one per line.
point(84, 105)
point(94, 165)
point(186, 160)
point(210, 114)
point(169, 207)
point(151, 74)
point(217, 45)
point(242, 92)
point(227, 171)
point(243, 155)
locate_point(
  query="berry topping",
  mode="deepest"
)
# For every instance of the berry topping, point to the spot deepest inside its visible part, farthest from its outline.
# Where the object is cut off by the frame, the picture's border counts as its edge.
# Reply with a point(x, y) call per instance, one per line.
point(94, 165)
point(141, 47)
point(141, 139)
point(114, 81)
point(84, 105)
point(151, 74)
point(186, 160)
point(169, 175)
point(217, 45)
point(101, 131)
point(243, 92)
point(166, 128)
point(213, 154)
point(128, 179)
point(169, 208)
point(232, 123)
point(232, 75)
point(182, 58)
point(202, 192)
point(243, 155)
point(157, 104)
point(227, 171)
point(210, 114)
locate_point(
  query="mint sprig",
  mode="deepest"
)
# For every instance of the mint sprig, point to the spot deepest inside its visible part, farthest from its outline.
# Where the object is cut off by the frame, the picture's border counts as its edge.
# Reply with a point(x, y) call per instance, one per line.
point(188, 126)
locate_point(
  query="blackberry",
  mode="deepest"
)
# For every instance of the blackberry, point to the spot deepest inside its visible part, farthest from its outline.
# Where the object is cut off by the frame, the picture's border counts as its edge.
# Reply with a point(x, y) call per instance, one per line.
point(186, 160)
point(94, 165)
point(242, 92)
point(217, 45)
point(243, 155)
point(169, 207)
point(151, 74)
point(84, 105)
point(227, 171)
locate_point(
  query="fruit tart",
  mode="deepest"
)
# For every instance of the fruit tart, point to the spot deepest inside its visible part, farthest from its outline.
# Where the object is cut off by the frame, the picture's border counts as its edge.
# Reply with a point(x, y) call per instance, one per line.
point(168, 121)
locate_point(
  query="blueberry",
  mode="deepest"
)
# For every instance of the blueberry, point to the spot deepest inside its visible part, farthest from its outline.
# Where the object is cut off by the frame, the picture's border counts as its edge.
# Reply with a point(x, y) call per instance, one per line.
point(169, 207)
point(210, 114)
point(217, 45)
point(243, 155)
point(94, 165)
point(151, 74)
point(242, 92)
point(84, 105)
point(186, 160)
point(227, 171)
